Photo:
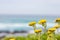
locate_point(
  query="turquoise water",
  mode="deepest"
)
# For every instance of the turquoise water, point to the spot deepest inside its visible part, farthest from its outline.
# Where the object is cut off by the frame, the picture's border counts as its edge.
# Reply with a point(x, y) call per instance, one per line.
point(21, 22)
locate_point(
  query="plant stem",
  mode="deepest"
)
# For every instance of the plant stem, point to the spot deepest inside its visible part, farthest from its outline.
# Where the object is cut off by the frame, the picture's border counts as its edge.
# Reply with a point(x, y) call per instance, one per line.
point(34, 27)
point(38, 36)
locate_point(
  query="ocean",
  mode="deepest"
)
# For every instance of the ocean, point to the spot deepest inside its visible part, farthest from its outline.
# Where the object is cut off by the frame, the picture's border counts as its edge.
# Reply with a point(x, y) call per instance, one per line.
point(20, 23)
point(16, 22)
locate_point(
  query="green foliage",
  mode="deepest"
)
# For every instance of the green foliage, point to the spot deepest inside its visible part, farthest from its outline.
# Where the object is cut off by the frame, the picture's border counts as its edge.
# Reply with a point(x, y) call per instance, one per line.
point(44, 36)
point(58, 36)
point(32, 37)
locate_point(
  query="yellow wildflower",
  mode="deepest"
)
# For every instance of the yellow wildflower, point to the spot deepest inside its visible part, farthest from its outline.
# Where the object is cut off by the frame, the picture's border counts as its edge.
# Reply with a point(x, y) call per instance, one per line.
point(42, 21)
point(56, 26)
point(32, 23)
point(12, 39)
point(49, 32)
point(52, 29)
point(37, 31)
point(57, 20)
point(50, 35)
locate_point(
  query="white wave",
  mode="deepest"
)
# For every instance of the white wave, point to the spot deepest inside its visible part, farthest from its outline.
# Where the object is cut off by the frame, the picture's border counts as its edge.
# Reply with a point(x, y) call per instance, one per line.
point(17, 25)
point(12, 25)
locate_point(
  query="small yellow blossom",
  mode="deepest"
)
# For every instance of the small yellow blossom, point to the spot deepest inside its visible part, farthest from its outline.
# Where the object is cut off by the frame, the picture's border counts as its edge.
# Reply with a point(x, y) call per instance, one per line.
point(32, 23)
point(49, 32)
point(12, 39)
point(37, 31)
point(56, 26)
point(50, 35)
point(57, 20)
point(52, 29)
point(42, 21)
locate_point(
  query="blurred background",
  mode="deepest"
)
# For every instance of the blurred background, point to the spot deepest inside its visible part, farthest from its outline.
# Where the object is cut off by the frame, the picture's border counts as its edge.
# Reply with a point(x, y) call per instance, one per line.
point(16, 14)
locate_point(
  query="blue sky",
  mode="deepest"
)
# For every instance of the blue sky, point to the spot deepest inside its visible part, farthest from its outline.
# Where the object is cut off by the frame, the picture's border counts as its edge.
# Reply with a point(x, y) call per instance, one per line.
point(33, 7)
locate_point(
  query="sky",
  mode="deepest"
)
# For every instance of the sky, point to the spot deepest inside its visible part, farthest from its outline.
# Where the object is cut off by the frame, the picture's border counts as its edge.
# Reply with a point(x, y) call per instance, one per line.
point(30, 7)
